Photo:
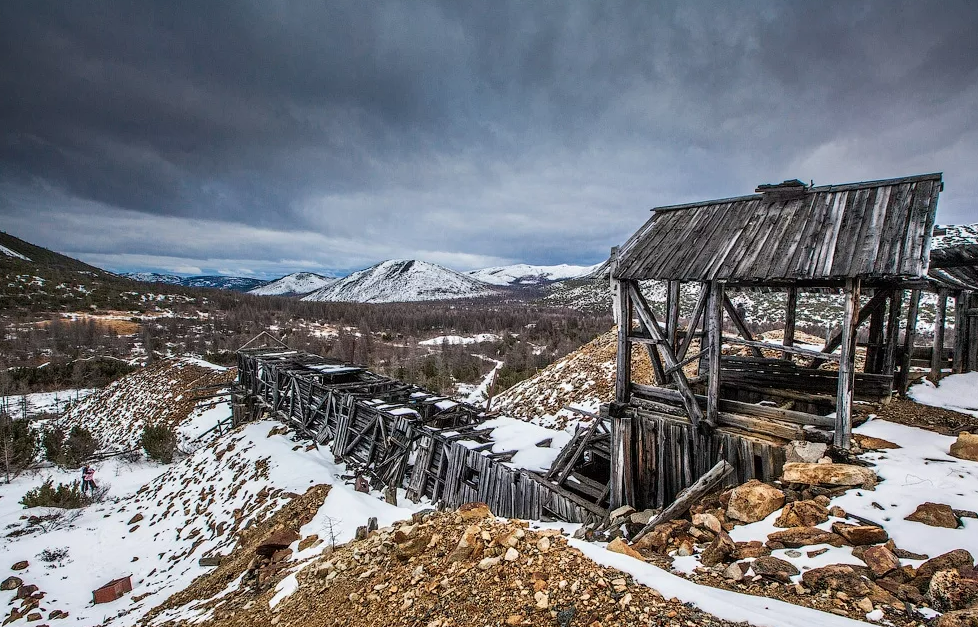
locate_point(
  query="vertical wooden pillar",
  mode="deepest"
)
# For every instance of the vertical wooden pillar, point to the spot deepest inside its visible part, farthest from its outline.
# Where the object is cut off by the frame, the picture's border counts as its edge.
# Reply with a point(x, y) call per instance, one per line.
point(843, 405)
point(622, 484)
point(874, 347)
point(892, 333)
point(971, 314)
point(714, 331)
point(908, 340)
point(790, 312)
point(672, 314)
point(623, 315)
point(960, 331)
point(940, 320)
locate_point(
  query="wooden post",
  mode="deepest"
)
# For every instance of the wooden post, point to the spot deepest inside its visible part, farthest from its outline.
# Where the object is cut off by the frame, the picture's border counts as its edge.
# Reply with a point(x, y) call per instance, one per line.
point(908, 339)
point(960, 331)
point(843, 404)
point(892, 334)
point(790, 311)
point(714, 324)
point(688, 497)
point(874, 347)
point(972, 316)
point(623, 313)
point(622, 482)
point(940, 320)
point(672, 313)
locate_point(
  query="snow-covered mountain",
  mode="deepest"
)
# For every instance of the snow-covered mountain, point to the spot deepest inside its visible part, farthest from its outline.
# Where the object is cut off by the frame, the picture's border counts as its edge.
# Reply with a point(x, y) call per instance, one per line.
point(402, 280)
point(295, 284)
point(235, 283)
point(523, 274)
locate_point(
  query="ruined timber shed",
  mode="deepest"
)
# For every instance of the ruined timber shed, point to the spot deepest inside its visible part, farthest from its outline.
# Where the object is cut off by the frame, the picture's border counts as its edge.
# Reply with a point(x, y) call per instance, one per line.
point(791, 233)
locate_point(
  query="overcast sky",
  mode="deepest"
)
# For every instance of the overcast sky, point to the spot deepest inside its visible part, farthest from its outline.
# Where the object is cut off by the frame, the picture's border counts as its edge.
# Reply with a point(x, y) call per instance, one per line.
point(268, 137)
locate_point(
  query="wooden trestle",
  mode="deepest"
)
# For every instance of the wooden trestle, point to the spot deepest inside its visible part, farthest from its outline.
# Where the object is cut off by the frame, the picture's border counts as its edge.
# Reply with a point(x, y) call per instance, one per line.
point(403, 436)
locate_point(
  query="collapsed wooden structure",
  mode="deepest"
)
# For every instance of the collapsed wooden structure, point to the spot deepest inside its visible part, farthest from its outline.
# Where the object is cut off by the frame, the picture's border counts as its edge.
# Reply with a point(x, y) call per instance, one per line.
point(869, 239)
point(954, 275)
point(401, 435)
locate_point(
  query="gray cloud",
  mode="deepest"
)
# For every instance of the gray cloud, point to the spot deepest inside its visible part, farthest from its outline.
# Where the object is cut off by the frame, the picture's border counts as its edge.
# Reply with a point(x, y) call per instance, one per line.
point(272, 136)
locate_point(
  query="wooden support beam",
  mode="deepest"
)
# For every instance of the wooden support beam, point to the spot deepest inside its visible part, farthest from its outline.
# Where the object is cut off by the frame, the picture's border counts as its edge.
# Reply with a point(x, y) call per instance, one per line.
point(688, 497)
point(786, 349)
point(672, 313)
point(836, 340)
point(971, 350)
point(874, 347)
point(960, 331)
point(937, 353)
point(908, 340)
point(669, 358)
point(843, 403)
point(687, 361)
point(790, 312)
point(694, 321)
point(892, 332)
point(739, 322)
point(623, 312)
point(714, 335)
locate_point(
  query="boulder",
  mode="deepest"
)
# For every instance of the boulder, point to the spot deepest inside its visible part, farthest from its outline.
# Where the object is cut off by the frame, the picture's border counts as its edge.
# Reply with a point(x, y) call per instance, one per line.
point(965, 447)
point(880, 560)
point(805, 452)
point(719, 550)
point(467, 545)
point(748, 550)
point(802, 514)
point(707, 521)
point(658, 539)
point(829, 474)
point(860, 535)
point(643, 517)
point(754, 501)
point(797, 537)
point(836, 577)
point(935, 515)
point(620, 546)
point(960, 618)
point(474, 511)
point(951, 590)
point(869, 443)
point(277, 541)
point(11, 583)
point(135, 519)
point(774, 568)
point(21, 565)
point(736, 571)
point(952, 559)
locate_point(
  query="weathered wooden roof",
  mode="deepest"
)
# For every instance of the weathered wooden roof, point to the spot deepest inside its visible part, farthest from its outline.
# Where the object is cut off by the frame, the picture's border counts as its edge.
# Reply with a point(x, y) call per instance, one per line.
point(791, 233)
point(954, 256)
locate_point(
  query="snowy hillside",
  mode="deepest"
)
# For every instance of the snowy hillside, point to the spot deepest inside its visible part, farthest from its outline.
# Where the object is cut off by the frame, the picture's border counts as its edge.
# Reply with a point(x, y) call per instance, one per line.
point(295, 284)
point(946, 235)
point(12, 253)
point(402, 280)
point(153, 277)
point(523, 274)
point(235, 283)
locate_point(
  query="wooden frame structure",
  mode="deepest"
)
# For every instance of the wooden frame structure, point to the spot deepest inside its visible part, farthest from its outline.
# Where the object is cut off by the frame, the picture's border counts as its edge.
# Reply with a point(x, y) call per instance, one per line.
point(403, 436)
point(868, 239)
point(954, 275)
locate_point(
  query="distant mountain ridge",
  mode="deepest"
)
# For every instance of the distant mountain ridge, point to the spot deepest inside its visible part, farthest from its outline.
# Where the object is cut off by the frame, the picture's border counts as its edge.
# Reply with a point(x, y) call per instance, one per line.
point(234, 283)
point(402, 280)
point(524, 274)
point(295, 284)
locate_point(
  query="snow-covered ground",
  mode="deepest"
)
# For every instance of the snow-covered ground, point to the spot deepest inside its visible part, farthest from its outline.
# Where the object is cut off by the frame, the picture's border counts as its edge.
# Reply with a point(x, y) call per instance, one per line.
point(958, 392)
point(42, 402)
point(189, 510)
point(460, 339)
point(402, 280)
point(479, 394)
point(293, 284)
point(12, 253)
point(523, 274)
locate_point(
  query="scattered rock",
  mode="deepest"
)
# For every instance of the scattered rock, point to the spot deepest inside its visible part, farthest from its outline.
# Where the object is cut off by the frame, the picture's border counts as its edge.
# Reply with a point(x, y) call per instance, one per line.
point(474, 511)
point(774, 568)
point(11, 583)
point(308, 541)
point(719, 550)
point(869, 443)
point(935, 515)
point(829, 474)
point(965, 447)
point(836, 577)
point(797, 537)
point(951, 559)
point(754, 501)
point(860, 535)
point(707, 521)
point(622, 512)
point(805, 452)
point(642, 518)
point(736, 571)
point(277, 541)
point(960, 618)
point(950, 590)
point(880, 560)
point(965, 513)
point(543, 544)
point(135, 519)
point(511, 555)
point(802, 514)
point(748, 550)
point(620, 546)
point(21, 565)
point(837, 511)
point(816, 552)
point(909, 555)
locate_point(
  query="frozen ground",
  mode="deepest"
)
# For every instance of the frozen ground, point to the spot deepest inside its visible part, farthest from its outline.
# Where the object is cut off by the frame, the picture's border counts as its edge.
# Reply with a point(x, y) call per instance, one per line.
point(958, 392)
point(42, 402)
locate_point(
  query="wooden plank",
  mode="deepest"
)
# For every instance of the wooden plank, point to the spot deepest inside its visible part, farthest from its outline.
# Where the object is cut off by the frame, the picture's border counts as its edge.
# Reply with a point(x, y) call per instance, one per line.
point(940, 320)
point(874, 346)
point(960, 331)
point(714, 333)
point(740, 323)
point(672, 313)
point(790, 313)
point(843, 406)
point(623, 361)
point(688, 497)
point(908, 341)
point(794, 350)
point(892, 332)
point(694, 320)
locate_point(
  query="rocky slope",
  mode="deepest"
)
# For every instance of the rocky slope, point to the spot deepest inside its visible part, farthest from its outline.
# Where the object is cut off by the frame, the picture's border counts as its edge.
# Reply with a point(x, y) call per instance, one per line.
point(402, 281)
point(524, 274)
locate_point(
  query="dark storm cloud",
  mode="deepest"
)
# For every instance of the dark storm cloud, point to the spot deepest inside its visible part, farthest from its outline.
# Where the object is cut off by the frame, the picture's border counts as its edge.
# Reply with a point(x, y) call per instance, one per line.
point(269, 136)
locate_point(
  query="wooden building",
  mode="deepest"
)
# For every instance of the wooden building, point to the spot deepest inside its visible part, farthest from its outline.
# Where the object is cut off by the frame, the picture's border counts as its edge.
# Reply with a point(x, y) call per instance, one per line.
point(870, 241)
point(954, 275)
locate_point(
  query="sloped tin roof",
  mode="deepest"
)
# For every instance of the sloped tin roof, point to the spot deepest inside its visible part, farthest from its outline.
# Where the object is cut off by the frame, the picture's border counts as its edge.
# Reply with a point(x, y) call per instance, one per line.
point(878, 229)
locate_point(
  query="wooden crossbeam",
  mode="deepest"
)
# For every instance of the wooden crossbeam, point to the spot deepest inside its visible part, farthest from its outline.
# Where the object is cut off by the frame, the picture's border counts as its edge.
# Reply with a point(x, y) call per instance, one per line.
point(794, 350)
point(740, 324)
point(693, 321)
point(864, 312)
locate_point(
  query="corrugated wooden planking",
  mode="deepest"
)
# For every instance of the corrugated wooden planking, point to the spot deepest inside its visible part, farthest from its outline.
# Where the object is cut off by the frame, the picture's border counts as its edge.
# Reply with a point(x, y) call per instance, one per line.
point(875, 229)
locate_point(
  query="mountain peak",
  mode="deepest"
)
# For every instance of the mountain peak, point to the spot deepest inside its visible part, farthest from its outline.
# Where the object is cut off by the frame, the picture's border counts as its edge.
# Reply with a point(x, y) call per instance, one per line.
point(402, 280)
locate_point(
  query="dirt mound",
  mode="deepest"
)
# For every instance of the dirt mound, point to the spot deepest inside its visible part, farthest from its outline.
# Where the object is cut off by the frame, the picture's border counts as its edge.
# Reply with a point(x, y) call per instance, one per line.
point(440, 570)
point(584, 378)
point(162, 392)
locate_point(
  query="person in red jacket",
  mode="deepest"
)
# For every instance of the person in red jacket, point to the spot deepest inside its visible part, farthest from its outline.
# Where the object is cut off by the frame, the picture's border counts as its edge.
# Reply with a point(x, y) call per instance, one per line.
point(88, 479)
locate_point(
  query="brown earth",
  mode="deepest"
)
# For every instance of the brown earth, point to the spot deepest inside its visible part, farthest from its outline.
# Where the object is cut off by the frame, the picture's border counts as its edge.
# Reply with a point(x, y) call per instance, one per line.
point(907, 412)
